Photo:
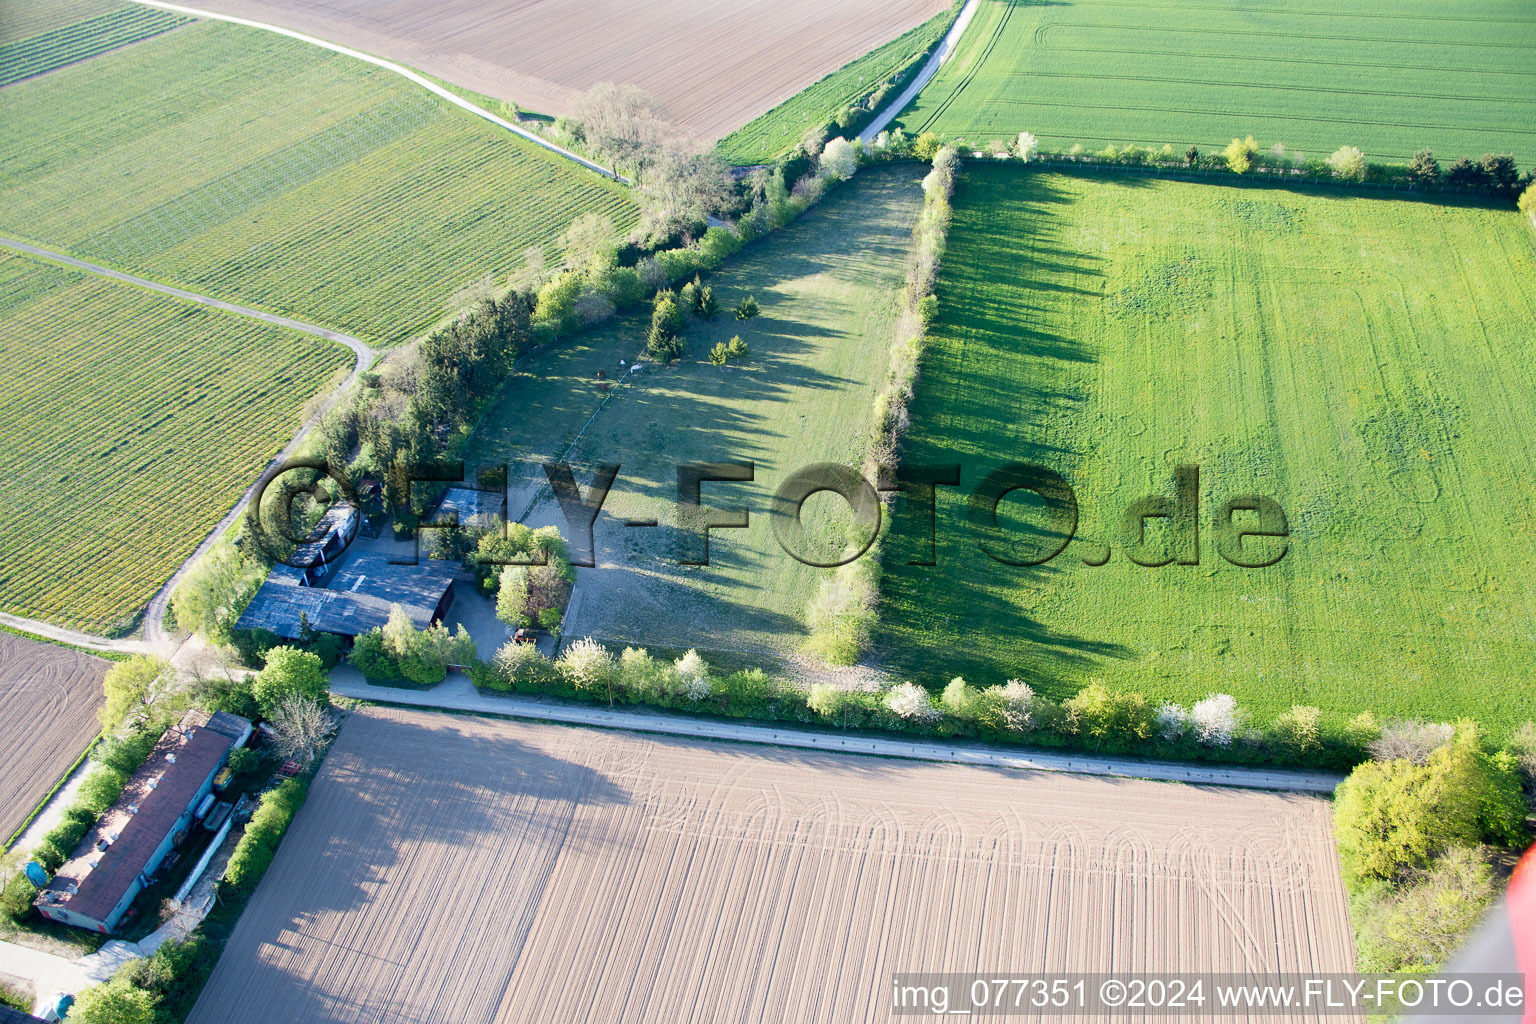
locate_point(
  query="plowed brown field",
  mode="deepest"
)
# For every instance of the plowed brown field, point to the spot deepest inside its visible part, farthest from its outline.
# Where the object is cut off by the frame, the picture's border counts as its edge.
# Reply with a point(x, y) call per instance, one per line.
point(48, 699)
point(449, 868)
point(717, 65)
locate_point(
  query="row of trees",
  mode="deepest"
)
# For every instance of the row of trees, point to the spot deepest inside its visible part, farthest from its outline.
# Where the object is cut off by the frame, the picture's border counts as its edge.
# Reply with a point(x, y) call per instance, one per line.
point(841, 614)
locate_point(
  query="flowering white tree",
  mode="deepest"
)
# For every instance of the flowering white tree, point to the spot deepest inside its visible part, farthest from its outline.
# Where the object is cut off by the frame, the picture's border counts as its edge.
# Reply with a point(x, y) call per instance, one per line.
point(1172, 721)
point(910, 701)
point(587, 664)
point(1015, 703)
point(301, 726)
point(839, 159)
point(692, 676)
point(1028, 145)
point(1215, 720)
point(1348, 163)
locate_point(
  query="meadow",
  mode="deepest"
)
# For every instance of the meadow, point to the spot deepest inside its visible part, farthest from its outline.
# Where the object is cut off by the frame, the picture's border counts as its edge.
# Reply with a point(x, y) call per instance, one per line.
point(244, 165)
point(1389, 76)
point(777, 132)
point(827, 287)
point(1363, 362)
point(133, 421)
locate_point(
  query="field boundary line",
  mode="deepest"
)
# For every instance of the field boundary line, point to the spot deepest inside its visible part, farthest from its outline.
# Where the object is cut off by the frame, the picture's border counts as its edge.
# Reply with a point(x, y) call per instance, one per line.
point(154, 612)
point(405, 73)
point(940, 55)
point(459, 694)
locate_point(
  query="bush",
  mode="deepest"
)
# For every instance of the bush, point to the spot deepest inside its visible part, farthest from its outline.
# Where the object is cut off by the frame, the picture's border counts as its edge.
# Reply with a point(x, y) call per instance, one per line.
point(1391, 817)
point(244, 761)
point(1425, 169)
point(1010, 707)
point(289, 672)
point(747, 309)
point(839, 159)
point(119, 1001)
point(1347, 164)
point(1527, 203)
point(587, 666)
point(17, 896)
point(1408, 739)
point(522, 666)
point(1418, 926)
point(926, 146)
point(718, 354)
point(736, 348)
point(1101, 713)
point(1239, 154)
point(101, 789)
point(549, 619)
point(254, 853)
point(910, 702)
point(1215, 720)
point(1299, 730)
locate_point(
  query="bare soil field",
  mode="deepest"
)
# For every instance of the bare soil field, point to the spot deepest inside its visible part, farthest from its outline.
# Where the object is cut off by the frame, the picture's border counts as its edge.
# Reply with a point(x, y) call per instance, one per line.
point(717, 66)
point(453, 868)
point(48, 699)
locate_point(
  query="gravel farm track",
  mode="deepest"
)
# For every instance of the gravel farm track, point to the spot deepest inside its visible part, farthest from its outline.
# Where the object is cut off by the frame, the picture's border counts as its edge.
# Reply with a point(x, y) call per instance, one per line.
point(48, 699)
point(541, 53)
point(448, 867)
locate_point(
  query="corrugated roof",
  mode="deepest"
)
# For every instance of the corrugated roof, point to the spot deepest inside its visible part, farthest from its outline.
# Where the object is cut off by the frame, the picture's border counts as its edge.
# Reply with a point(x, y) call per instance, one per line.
point(353, 601)
point(160, 790)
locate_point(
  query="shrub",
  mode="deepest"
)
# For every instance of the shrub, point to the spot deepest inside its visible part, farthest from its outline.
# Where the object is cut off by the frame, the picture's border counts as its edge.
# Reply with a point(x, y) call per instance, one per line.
point(1102, 713)
point(1215, 720)
point(244, 761)
point(928, 310)
point(587, 665)
point(736, 348)
point(910, 702)
point(1425, 169)
point(1239, 154)
point(926, 146)
point(692, 676)
point(1420, 925)
point(101, 789)
point(1527, 203)
point(549, 619)
point(119, 1001)
point(718, 354)
point(370, 657)
point(1192, 157)
point(523, 665)
point(839, 159)
point(17, 896)
point(960, 698)
point(1361, 730)
point(1299, 730)
point(1171, 721)
point(747, 309)
point(256, 848)
point(826, 699)
point(289, 672)
point(1347, 164)
point(1408, 739)
point(1010, 706)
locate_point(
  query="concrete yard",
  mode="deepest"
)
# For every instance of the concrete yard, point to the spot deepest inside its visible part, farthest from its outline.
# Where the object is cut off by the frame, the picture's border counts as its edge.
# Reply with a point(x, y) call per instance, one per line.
point(456, 868)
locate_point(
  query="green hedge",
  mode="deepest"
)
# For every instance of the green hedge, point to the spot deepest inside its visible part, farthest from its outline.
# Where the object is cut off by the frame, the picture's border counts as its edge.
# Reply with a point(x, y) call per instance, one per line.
point(254, 853)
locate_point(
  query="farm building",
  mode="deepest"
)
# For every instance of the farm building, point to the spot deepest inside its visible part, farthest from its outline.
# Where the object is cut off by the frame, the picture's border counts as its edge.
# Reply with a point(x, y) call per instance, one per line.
point(354, 600)
point(332, 534)
point(127, 845)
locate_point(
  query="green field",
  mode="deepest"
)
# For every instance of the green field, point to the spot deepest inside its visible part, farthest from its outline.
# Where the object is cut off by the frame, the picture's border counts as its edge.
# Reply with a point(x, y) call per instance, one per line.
point(1364, 362)
point(827, 286)
point(133, 422)
point(777, 132)
point(255, 168)
point(56, 47)
point(1389, 76)
point(22, 21)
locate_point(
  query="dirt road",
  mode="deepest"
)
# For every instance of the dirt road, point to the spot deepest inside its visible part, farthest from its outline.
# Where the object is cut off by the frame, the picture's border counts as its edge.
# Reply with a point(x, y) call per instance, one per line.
point(940, 54)
point(459, 694)
point(155, 637)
